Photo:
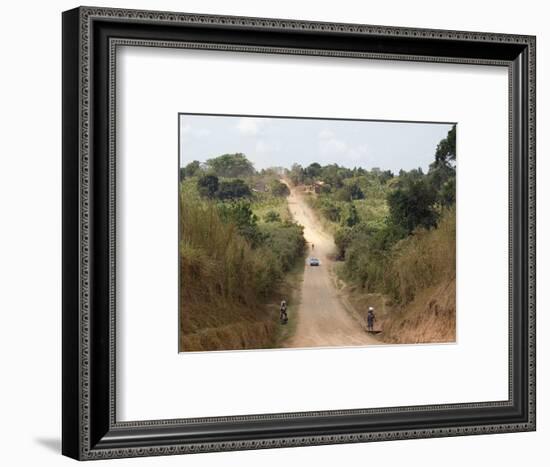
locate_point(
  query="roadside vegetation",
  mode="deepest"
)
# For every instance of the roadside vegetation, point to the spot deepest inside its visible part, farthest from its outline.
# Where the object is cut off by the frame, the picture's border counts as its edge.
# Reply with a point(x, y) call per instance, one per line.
point(237, 245)
point(395, 237)
point(241, 252)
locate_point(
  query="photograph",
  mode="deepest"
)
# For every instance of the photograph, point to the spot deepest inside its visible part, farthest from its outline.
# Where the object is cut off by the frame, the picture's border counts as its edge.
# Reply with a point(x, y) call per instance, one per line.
point(315, 232)
point(254, 245)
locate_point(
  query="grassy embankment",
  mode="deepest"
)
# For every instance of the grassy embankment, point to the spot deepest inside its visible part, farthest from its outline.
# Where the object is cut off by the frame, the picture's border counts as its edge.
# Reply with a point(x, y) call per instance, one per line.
point(230, 286)
point(417, 302)
point(409, 282)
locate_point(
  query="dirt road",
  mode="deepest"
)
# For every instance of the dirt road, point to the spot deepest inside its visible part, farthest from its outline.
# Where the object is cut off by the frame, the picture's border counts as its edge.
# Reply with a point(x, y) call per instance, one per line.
point(322, 319)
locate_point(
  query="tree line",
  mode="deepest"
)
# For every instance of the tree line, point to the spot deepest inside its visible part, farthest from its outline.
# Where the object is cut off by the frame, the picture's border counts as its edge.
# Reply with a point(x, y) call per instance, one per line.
point(373, 211)
point(229, 177)
point(231, 184)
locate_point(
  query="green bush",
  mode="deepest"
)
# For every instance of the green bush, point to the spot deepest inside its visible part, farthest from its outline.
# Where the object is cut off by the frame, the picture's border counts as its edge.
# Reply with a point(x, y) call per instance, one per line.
point(207, 185)
point(412, 204)
point(331, 212)
point(190, 170)
point(286, 241)
point(350, 216)
point(390, 261)
point(278, 189)
point(349, 192)
point(233, 189)
point(272, 216)
point(230, 165)
point(240, 214)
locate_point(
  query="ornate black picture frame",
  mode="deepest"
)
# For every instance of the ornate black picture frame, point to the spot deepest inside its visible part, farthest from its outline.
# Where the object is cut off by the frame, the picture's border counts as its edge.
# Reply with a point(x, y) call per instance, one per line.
point(90, 39)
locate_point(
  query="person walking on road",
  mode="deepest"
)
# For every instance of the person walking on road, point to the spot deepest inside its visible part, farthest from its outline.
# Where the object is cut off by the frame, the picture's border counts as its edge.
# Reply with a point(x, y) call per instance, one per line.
point(370, 319)
point(283, 316)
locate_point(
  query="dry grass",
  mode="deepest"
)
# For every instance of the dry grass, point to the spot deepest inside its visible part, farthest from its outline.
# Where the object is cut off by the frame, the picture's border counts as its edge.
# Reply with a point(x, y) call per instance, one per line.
point(222, 280)
point(424, 272)
point(421, 280)
point(424, 259)
point(237, 336)
point(429, 318)
point(225, 284)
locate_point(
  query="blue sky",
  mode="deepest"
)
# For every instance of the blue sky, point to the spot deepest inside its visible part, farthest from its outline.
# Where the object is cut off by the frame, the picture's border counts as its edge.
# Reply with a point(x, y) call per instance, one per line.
point(269, 142)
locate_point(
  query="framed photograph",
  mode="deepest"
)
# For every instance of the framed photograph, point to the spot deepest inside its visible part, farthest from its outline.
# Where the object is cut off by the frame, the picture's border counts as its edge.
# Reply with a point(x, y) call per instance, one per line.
point(285, 233)
point(323, 248)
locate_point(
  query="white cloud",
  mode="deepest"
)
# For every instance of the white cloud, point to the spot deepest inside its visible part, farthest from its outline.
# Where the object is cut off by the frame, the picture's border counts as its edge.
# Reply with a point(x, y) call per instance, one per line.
point(188, 130)
point(249, 126)
point(332, 149)
point(333, 146)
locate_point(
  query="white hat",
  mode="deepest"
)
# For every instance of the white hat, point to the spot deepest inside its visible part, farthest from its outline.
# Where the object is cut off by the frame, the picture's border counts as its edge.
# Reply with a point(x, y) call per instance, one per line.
point(371, 308)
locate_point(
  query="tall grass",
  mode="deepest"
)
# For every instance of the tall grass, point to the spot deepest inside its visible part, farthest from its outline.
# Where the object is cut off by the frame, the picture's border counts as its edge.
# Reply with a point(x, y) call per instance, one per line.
point(413, 286)
point(424, 259)
point(224, 281)
point(414, 263)
point(217, 262)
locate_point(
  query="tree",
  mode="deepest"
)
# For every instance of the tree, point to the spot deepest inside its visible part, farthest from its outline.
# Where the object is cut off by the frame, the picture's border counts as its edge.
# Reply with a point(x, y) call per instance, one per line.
point(231, 165)
point(447, 194)
point(350, 192)
point(356, 192)
point(333, 175)
point(331, 211)
point(192, 169)
point(240, 214)
point(342, 239)
point(383, 239)
point(313, 170)
point(296, 174)
point(385, 176)
point(279, 189)
point(207, 185)
point(350, 216)
point(413, 174)
point(233, 189)
point(412, 204)
point(272, 216)
point(446, 149)
point(442, 172)
point(325, 189)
